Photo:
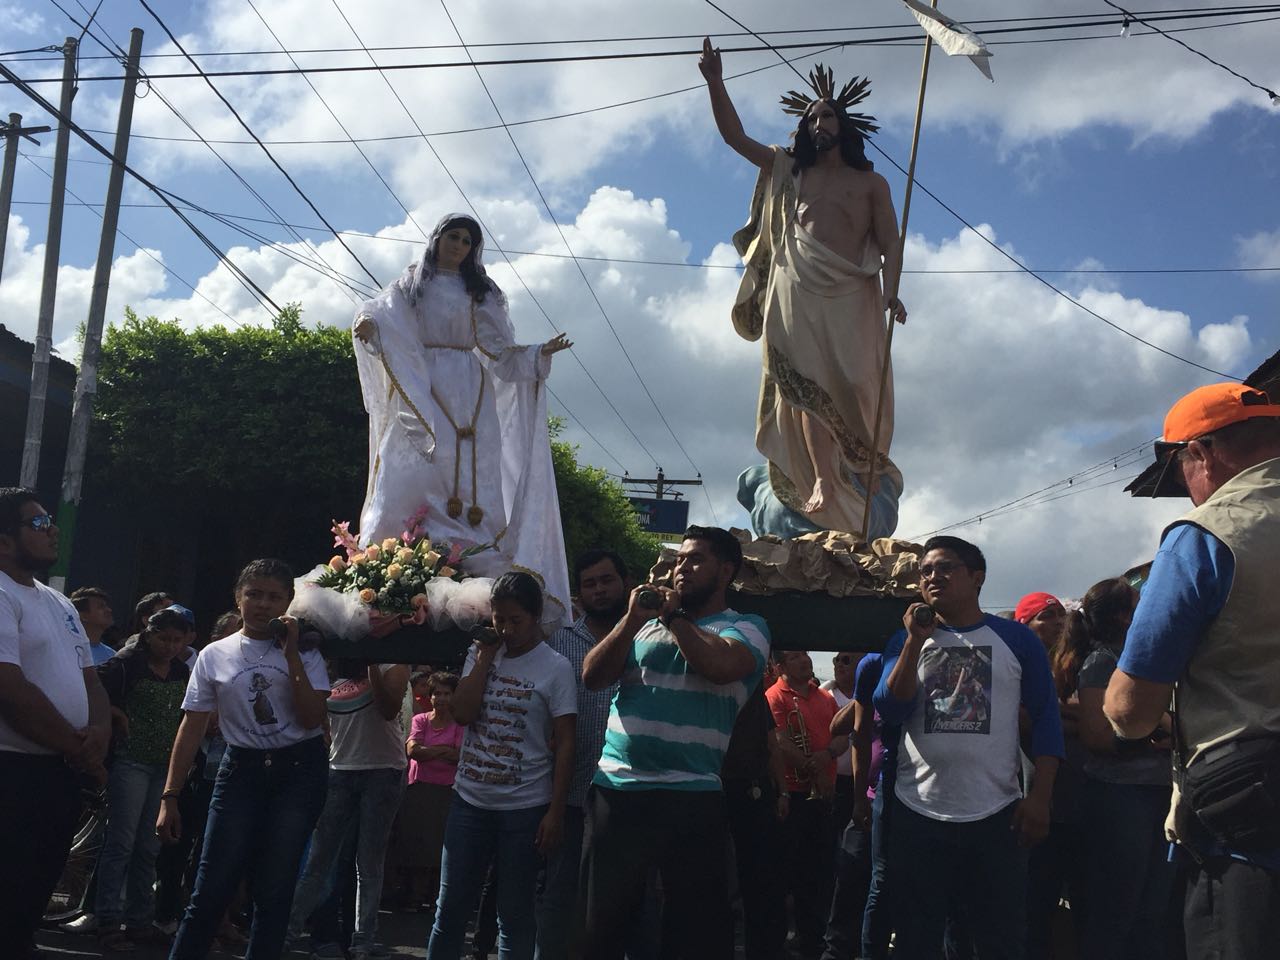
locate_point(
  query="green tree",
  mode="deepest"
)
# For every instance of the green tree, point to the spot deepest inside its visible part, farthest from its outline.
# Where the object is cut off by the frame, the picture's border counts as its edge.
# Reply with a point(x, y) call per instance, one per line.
point(213, 446)
point(595, 512)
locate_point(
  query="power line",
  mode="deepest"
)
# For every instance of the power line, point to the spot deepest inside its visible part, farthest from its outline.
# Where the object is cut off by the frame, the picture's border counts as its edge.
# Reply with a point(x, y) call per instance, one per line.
point(479, 219)
point(1146, 21)
point(364, 156)
point(565, 240)
point(1113, 462)
point(909, 39)
point(270, 156)
point(1088, 271)
point(173, 273)
point(256, 291)
point(392, 48)
point(624, 103)
point(328, 270)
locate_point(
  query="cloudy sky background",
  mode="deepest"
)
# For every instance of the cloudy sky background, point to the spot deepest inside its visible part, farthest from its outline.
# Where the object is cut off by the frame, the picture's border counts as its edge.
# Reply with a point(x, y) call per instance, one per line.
point(1085, 154)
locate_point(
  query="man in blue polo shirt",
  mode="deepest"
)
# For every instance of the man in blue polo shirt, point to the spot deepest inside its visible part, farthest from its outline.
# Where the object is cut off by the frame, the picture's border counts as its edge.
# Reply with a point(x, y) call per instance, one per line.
point(1205, 632)
point(960, 821)
point(682, 677)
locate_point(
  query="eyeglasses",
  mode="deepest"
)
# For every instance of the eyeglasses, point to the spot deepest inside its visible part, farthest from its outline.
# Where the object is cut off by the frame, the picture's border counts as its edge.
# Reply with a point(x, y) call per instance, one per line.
point(41, 522)
point(943, 568)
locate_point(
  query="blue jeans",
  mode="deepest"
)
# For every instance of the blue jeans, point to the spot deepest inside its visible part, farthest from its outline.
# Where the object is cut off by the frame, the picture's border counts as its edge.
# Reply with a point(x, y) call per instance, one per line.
point(367, 800)
point(265, 805)
point(127, 865)
point(473, 838)
point(1129, 877)
point(940, 869)
point(877, 918)
point(558, 898)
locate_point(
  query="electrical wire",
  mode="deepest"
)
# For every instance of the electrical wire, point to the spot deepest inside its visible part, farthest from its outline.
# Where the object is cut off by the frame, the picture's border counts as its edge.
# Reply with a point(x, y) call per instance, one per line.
point(909, 39)
point(1146, 21)
point(325, 268)
point(360, 150)
point(139, 247)
point(245, 280)
point(1132, 455)
point(1203, 11)
point(270, 156)
point(565, 240)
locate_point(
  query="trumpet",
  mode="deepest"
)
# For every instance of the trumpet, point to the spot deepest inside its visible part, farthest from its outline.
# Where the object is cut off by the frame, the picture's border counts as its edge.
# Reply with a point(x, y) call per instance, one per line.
point(798, 732)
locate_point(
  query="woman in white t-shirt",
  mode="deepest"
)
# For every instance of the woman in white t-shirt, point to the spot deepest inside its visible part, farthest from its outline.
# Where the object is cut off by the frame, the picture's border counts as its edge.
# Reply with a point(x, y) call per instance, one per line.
point(518, 702)
point(270, 700)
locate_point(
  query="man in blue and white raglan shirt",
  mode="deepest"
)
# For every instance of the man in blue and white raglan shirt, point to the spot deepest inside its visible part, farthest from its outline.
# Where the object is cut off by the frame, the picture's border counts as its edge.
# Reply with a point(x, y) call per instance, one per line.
point(960, 820)
point(683, 671)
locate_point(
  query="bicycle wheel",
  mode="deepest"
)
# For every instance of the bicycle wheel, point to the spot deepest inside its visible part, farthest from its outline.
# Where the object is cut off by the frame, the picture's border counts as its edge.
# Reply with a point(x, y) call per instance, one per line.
point(67, 901)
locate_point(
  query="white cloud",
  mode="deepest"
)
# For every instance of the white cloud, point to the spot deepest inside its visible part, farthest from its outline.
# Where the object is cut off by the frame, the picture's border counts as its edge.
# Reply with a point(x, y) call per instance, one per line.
point(1261, 249)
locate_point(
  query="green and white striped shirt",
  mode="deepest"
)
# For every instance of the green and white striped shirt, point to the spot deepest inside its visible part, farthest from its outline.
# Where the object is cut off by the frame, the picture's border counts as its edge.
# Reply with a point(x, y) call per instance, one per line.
point(669, 726)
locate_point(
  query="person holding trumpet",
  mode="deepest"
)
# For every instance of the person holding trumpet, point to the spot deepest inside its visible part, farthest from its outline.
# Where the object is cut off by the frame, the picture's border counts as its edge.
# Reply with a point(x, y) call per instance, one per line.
point(803, 713)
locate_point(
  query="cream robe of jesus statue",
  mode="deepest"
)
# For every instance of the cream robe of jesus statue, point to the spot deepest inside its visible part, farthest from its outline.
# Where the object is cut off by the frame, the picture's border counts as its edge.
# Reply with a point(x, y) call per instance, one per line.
point(458, 423)
point(821, 322)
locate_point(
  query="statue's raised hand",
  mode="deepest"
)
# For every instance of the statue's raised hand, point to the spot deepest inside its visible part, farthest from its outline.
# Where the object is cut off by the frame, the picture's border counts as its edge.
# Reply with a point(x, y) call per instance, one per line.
point(709, 62)
point(557, 343)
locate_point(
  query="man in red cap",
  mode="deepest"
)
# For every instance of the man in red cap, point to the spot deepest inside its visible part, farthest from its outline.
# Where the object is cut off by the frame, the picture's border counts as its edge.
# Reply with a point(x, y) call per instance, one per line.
point(1205, 632)
point(1044, 614)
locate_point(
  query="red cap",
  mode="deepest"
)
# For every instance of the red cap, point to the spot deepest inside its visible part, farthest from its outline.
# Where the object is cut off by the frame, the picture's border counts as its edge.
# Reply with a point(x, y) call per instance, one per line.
point(1033, 604)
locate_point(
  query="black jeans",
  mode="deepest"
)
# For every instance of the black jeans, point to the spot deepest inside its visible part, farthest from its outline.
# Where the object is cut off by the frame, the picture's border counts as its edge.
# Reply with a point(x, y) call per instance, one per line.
point(39, 809)
point(1231, 911)
point(849, 901)
point(752, 806)
point(974, 872)
point(810, 858)
point(685, 835)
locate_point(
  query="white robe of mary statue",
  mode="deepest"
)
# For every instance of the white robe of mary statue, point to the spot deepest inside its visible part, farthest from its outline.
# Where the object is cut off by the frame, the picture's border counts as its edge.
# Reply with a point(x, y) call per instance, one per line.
point(458, 423)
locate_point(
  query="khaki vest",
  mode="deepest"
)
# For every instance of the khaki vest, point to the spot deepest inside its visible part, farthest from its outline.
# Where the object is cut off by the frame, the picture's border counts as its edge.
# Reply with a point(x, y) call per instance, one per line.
point(1231, 687)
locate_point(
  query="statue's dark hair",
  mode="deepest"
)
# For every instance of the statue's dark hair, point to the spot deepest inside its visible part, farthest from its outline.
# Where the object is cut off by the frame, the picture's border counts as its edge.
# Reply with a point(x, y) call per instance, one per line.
point(851, 143)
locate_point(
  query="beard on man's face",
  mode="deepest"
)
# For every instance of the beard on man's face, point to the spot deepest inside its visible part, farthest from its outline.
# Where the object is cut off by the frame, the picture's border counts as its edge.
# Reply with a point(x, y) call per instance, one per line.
point(610, 612)
point(823, 140)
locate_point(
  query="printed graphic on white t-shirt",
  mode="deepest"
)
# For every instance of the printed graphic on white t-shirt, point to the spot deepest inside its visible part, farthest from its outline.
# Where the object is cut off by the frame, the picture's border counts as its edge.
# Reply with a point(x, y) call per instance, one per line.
point(957, 685)
point(506, 758)
point(247, 682)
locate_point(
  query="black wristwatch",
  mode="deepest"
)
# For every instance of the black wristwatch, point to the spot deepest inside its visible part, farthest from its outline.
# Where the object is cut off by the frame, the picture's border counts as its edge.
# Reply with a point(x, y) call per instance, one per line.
point(680, 613)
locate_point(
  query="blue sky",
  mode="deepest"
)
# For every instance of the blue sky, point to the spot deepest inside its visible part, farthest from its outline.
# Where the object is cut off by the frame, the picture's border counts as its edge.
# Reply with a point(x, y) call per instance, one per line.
point(1112, 153)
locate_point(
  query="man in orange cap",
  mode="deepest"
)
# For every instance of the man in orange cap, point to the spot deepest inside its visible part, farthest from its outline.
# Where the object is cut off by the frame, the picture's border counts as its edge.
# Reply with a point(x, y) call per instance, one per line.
point(1205, 632)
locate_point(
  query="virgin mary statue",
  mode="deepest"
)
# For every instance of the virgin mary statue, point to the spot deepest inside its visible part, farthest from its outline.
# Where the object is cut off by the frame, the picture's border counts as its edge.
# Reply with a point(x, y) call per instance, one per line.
point(458, 416)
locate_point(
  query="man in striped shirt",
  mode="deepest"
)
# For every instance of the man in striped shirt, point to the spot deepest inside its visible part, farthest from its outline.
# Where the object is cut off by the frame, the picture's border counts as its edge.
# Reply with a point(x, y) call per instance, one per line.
point(656, 800)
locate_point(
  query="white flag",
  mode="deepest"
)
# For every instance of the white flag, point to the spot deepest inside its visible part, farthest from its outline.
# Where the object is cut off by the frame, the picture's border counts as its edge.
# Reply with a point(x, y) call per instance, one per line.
point(954, 38)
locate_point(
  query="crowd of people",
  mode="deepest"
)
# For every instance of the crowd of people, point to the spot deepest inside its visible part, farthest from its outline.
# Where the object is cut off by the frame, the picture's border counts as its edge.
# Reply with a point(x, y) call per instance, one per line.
point(657, 780)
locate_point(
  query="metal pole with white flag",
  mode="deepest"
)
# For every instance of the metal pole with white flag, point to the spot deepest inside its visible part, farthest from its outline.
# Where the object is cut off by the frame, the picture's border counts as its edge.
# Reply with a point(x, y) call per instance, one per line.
point(954, 38)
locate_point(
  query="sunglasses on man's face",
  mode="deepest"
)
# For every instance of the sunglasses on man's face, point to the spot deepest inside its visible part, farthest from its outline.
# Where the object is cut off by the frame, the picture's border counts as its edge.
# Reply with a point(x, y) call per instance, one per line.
point(41, 522)
point(843, 660)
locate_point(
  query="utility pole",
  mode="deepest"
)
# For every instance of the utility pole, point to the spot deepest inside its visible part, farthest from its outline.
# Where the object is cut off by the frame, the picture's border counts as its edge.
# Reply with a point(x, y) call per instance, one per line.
point(12, 131)
point(87, 381)
point(49, 286)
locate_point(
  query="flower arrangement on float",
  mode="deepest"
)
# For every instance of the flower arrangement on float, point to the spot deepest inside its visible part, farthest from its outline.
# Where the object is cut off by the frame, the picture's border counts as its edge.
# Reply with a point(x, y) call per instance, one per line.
point(373, 590)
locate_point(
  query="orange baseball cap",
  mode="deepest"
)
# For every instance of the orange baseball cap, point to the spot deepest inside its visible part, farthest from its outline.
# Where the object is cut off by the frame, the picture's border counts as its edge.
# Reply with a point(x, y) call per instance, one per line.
point(1200, 412)
point(1213, 407)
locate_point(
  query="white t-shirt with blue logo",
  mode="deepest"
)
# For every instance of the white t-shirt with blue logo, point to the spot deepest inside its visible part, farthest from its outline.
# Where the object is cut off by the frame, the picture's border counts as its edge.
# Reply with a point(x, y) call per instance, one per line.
point(958, 756)
point(40, 632)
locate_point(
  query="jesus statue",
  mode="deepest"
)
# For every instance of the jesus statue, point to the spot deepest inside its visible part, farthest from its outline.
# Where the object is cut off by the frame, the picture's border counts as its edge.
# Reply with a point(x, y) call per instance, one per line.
point(821, 235)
